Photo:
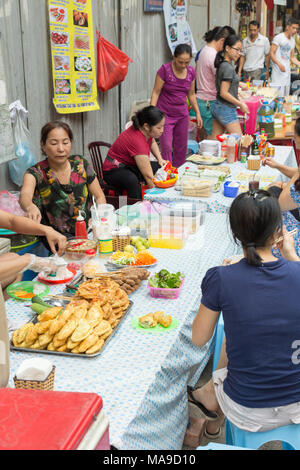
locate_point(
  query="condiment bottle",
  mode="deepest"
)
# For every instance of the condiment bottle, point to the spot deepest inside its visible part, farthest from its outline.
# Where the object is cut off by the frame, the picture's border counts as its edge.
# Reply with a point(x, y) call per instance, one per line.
point(4, 345)
point(255, 149)
point(80, 227)
point(105, 240)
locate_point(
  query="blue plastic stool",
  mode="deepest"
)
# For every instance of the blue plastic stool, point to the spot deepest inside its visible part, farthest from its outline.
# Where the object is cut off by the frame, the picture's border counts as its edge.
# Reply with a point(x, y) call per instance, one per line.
point(216, 446)
point(288, 435)
point(219, 340)
point(193, 145)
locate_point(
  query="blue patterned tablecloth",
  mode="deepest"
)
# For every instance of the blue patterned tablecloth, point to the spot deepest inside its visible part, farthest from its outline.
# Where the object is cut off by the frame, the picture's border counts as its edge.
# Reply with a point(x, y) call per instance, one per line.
point(218, 203)
point(142, 378)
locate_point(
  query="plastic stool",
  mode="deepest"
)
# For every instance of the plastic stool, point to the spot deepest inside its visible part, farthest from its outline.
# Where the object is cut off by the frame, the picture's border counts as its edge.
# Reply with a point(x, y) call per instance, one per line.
point(193, 145)
point(288, 435)
point(219, 340)
point(216, 446)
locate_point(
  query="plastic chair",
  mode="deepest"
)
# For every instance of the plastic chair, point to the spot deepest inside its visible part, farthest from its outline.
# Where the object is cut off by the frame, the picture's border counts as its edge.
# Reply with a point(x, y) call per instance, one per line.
point(219, 340)
point(288, 435)
point(97, 161)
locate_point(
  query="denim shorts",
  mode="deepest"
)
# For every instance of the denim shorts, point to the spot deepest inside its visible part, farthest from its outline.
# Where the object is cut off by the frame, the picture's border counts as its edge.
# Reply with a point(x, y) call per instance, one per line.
point(223, 113)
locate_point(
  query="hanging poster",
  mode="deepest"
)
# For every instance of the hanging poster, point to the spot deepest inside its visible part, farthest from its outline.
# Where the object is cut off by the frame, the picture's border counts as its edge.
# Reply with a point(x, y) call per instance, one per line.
point(73, 56)
point(177, 28)
point(153, 5)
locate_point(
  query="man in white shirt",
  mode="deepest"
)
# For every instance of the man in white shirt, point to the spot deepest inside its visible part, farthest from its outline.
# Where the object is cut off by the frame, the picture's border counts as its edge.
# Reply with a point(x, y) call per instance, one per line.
point(282, 54)
point(256, 51)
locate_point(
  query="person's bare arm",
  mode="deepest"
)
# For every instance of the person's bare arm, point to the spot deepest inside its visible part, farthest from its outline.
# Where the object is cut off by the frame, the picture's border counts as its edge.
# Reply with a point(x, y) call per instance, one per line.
point(143, 164)
point(224, 93)
point(156, 153)
point(241, 65)
point(27, 226)
point(96, 191)
point(285, 170)
point(26, 198)
point(204, 325)
point(267, 59)
point(193, 101)
point(294, 60)
point(273, 50)
point(158, 86)
point(285, 201)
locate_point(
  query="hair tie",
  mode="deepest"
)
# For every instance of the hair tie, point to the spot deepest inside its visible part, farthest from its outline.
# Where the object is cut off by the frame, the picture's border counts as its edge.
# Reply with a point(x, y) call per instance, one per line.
point(250, 245)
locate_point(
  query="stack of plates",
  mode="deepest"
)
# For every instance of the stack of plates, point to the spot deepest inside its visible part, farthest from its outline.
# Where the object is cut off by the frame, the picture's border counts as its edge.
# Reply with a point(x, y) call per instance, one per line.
point(210, 147)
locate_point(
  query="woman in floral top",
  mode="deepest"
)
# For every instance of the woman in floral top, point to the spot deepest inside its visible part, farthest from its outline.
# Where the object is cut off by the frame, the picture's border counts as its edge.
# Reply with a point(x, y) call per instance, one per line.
point(57, 188)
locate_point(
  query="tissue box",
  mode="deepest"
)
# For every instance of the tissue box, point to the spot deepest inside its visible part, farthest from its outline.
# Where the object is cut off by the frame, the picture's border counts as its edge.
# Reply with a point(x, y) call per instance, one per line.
point(47, 384)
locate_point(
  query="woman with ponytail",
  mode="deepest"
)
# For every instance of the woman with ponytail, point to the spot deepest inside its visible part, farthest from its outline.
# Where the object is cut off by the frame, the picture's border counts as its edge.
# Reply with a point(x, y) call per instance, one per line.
point(128, 160)
point(256, 385)
point(224, 109)
point(206, 72)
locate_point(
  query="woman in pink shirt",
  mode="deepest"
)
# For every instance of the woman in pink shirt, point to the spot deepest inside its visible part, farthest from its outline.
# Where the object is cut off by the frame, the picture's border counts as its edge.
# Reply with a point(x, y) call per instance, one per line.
point(174, 83)
point(128, 160)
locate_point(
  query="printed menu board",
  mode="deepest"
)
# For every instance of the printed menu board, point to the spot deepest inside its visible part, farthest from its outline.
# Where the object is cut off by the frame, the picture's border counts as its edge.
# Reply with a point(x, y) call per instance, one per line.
point(73, 56)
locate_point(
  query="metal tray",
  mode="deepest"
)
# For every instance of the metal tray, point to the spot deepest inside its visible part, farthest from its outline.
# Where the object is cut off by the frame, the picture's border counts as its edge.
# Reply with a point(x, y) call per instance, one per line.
point(66, 354)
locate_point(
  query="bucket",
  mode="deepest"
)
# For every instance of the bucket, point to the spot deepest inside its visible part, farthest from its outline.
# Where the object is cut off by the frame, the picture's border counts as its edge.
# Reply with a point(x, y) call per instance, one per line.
point(253, 103)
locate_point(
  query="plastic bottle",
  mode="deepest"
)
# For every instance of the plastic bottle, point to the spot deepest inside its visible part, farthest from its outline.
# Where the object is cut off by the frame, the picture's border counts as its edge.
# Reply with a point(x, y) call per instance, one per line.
point(266, 119)
point(254, 148)
point(80, 227)
point(105, 240)
point(4, 345)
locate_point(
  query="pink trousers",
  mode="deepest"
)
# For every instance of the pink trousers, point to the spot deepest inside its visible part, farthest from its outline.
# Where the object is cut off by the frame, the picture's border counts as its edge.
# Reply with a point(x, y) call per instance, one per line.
point(173, 142)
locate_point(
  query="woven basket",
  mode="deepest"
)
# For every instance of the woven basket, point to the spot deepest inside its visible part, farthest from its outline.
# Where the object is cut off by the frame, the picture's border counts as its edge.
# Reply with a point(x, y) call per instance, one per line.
point(120, 241)
point(47, 384)
point(253, 164)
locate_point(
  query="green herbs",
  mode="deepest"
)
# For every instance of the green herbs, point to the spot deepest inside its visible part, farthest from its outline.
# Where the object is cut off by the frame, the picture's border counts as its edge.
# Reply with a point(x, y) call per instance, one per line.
point(166, 280)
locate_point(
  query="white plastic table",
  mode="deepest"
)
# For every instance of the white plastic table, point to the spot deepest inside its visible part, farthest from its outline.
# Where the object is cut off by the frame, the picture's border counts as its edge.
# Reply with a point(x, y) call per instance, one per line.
point(142, 377)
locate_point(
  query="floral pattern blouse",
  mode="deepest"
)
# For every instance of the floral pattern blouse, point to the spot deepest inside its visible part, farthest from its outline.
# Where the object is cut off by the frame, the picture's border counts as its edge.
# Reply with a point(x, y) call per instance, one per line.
point(60, 203)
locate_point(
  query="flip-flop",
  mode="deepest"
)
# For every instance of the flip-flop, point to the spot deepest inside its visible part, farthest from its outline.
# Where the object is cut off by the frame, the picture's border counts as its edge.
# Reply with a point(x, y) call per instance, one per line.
point(214, 435)
point(198, 409)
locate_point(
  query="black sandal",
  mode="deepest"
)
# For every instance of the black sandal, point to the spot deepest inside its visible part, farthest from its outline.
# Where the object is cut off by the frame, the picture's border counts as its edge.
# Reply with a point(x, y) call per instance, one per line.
point(197, 408)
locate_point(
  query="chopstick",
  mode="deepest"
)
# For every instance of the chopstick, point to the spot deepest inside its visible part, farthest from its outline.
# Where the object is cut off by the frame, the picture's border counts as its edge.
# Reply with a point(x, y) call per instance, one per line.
point(292, 232)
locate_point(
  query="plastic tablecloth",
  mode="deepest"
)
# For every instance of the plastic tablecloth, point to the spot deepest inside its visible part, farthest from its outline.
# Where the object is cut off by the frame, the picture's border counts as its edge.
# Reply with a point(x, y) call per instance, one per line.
point(142, 378)
point(218, 203)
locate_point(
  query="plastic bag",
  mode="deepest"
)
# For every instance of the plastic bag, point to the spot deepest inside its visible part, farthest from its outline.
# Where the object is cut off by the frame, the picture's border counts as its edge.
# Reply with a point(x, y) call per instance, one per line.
point(166, 172)
point(23, 150)
point(9, 202)
point(112, 64)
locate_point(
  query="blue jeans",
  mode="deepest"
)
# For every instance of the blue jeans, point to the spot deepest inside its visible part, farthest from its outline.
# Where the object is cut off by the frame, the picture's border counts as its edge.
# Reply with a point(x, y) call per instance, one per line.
point(223, 113)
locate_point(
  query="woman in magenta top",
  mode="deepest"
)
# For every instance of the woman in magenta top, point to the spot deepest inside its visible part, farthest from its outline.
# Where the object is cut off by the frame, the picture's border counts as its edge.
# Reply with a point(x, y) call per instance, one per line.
point(128, 160)
point(174, 83)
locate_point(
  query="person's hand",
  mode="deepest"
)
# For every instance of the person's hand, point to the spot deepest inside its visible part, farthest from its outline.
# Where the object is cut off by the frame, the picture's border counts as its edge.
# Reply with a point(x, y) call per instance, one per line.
point(282, 68)
point(38, 264)
point(287, 246)
point(163, 162)
point(34, 213)
point(199, 122)
point(271, 162)
point(56, 239)
point(244, 108)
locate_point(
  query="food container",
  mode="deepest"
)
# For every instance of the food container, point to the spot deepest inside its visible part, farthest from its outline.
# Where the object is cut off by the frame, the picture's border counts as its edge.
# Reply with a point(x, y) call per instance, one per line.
point(79, 249)
point(163, 293)
point(182, 215)
point(253, 162)
point(135, 218)
point(47, 384)
point(166, 184)
point(170, 239)
point(50, 420)
point(231, 191)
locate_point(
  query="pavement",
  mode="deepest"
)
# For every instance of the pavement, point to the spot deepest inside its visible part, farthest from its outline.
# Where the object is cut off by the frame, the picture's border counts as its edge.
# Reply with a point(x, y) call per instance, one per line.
point(205, 377)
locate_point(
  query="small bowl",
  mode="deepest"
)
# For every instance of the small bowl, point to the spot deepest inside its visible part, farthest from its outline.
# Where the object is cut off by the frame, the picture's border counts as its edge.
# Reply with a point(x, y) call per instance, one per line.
point(229, 191)
point(77, 248)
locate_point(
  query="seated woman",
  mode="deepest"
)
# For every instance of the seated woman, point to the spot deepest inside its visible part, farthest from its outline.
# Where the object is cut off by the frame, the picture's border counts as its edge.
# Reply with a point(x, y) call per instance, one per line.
point(289, 193)
point(128, 160)
point(57, 188)
point(258, 389)
point(13, 265)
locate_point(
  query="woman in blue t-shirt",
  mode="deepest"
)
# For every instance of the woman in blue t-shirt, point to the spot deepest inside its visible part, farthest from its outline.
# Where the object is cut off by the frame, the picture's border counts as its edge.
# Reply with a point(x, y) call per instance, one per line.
point(258, 386)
